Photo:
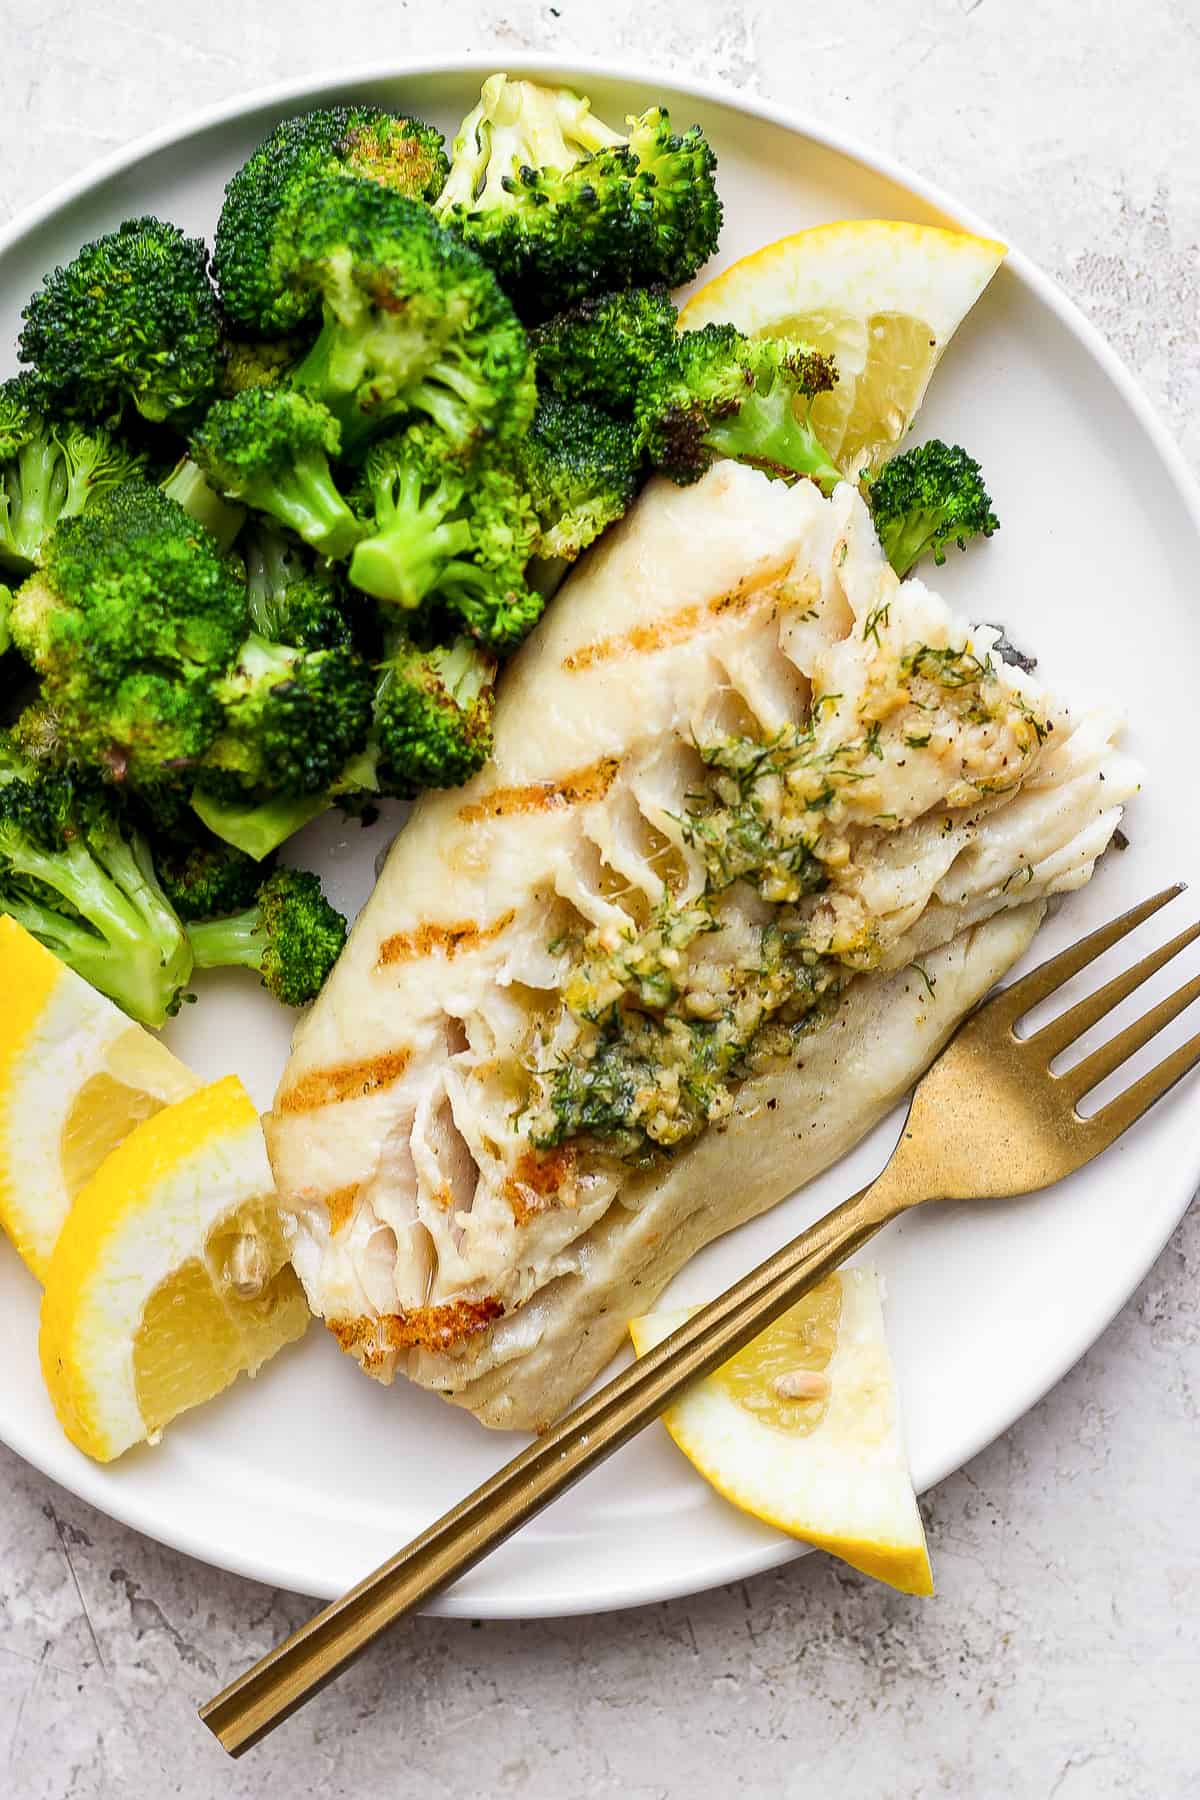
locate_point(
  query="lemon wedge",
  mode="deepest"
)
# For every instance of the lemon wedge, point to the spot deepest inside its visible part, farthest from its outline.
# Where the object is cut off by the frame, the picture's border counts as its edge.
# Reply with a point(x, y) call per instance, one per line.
point(76, 1076)
point(170, 1276)
point(802, 1430)
point(883, 297)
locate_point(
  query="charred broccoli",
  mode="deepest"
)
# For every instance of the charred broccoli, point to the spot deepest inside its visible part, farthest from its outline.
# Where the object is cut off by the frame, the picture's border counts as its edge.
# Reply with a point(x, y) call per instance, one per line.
point(719, 394)
point(602, 348)
point(131, 320)
point(414, 324)
point(355, 141)
point(433, 713)
point(290, 719)
point(581, 469)
point(926, 498)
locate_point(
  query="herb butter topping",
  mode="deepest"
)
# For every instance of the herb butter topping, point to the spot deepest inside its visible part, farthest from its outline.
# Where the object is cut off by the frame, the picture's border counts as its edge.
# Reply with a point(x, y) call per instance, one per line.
point(779, 835)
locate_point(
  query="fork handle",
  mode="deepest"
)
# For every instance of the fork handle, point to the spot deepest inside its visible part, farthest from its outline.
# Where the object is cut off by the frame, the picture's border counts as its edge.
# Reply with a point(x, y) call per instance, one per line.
point(286, 1677)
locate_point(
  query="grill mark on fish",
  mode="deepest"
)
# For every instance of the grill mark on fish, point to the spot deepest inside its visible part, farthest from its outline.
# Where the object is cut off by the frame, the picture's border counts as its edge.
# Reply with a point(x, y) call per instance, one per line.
point(450, 940)
point(340, 1206)
point(675, 628)
point(537, 1181)
point(435, 1328)
point(344, 1081)
point(576, 789)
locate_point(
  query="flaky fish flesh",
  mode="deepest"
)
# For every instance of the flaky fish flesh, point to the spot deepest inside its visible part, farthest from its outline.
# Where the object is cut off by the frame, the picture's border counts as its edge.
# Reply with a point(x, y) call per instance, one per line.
point(762, 823)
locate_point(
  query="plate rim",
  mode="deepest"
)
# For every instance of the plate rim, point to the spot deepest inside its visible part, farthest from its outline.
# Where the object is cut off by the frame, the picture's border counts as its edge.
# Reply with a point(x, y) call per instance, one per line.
point(90, 1482)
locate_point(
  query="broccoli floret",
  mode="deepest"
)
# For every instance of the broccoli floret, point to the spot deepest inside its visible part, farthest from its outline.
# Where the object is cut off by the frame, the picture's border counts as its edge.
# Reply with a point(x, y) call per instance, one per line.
point(271, 448)
point(129, 621)
point(433, 713)
point(581, 468)
point(358, 141)
point(414, 324)
point(466, 536)
point(721, 394)
point(292, 601)
point(290, 719)
point(290, 935)
point(162, 806)
point(132, 320)
point(413, 492)
point(266, 362)
point(561, 205)
point(49, 471)
point(202, 877)
point(18, 401)
point(18, 684)
point(260, 827)
point(602, 348)
point(926, 498)
point(188, 486)
point(73, 874)
point(37, 736)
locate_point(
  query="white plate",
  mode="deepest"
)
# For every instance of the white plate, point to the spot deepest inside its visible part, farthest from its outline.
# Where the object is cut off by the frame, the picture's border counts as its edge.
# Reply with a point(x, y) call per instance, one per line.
point(312, 1475)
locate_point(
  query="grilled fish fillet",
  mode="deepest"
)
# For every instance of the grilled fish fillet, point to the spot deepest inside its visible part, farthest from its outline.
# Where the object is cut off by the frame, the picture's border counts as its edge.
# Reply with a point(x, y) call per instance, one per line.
point(761, 825)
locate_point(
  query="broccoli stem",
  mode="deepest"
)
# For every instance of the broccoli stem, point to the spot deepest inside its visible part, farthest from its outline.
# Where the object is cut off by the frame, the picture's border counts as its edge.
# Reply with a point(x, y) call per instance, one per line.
point(42, 497)
point(290, 935)
point(221, 518)
point(403, 565)
point(767, 431)
point(307, 501)
point(404, 559)
point(909, 538)
point(84, 465)
point(337, 362)
point(269, 573)
point(454, 398)
point(260, 660)
point(238, 942)
point(135, 950)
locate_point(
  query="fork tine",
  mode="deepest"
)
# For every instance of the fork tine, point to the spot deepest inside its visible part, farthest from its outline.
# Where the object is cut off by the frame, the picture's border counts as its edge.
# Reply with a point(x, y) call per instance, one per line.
point(1021, 996)
point(1054, 1038)
point(1108, 1124)
point(1108, 1058)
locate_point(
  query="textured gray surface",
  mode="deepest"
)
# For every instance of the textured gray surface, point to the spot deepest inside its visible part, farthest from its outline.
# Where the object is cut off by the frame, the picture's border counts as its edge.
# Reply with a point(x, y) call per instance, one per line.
point(1062, 1654)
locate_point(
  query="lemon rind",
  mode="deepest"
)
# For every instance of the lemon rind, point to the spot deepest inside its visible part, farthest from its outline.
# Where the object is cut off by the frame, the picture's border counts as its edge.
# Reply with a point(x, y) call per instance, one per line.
point(189, 1166)
point(56, 1032)
point(868, 1515)
point(926, 251)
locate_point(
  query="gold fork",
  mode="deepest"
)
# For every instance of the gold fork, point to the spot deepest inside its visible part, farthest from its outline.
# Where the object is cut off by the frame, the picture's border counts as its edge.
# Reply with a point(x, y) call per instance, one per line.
point(989, 1119)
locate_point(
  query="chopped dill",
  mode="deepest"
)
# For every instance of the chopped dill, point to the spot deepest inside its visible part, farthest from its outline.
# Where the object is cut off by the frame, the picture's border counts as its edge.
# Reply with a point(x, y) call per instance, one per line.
point(880, 616)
